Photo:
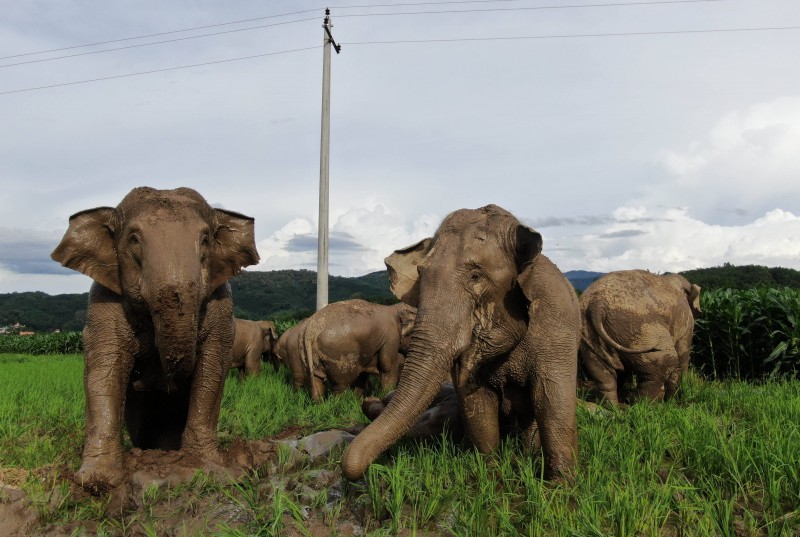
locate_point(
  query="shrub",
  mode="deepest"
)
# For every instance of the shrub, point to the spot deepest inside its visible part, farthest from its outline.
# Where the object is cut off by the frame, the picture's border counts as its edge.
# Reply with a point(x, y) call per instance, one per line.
point(750, 333)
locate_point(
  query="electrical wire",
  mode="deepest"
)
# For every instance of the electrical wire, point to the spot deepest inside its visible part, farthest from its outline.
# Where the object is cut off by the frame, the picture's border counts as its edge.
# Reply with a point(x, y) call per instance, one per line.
point(159, 70)
point(566, 36)
point(355, 6)
point(155, 43)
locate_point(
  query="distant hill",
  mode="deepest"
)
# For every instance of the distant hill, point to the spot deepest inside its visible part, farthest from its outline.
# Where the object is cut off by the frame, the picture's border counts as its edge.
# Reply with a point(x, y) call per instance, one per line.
point(581, 279)
point(283, 294)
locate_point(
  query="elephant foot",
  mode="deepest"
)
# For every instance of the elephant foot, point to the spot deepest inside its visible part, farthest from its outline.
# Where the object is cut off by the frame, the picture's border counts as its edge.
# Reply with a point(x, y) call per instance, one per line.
point(99, 476)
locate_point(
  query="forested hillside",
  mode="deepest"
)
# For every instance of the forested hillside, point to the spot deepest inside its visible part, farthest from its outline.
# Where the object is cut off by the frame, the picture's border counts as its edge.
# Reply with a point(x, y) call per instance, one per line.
point(283, 294)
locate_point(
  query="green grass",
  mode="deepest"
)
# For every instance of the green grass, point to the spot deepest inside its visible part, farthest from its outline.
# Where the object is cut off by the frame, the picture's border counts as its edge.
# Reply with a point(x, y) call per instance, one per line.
point(723, 458)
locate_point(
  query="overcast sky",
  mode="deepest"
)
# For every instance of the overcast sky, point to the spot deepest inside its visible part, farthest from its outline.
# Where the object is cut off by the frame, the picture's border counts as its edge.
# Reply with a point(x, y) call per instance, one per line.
point(666, 151)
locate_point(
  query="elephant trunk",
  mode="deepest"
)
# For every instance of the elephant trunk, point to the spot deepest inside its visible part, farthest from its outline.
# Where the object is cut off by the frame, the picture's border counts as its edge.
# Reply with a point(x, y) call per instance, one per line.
point(430, 356)
point(175, 313)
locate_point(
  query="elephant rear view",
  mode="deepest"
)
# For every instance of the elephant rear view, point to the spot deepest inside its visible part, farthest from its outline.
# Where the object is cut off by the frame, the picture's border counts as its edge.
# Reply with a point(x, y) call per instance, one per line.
point(640, 324)
point(346, 341)
point(159, 325)
point(254, 342)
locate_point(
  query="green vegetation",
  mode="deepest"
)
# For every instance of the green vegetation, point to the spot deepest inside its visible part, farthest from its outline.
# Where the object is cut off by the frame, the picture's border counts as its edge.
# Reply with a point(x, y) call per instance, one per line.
point(752, 333)
point(277, 295)
point(53, 343)
point(722, 459)
point(743, 277)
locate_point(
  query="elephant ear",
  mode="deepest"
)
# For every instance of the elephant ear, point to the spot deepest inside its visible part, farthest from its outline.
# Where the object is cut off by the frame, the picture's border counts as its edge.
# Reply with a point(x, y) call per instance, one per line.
point(235, 246)
point(528, 248)
point(408, 316)
point(403, 274)
point(88, 247)
point(693, 294)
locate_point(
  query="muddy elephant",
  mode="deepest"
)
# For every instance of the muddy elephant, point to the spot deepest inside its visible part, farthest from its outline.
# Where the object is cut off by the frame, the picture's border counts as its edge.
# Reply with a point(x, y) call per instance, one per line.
point(252, 344)
point(345, 342)
point(159, 328)
point(441, 417)
point(638, 324)
point(287, 351)
point(504, 321)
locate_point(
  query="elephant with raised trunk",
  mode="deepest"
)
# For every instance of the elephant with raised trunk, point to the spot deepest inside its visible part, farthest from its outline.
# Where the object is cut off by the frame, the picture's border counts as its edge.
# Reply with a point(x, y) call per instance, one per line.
point(159, 328)
point(504, 321)
point(345, 342)
point(253, 343)
point(636, 323)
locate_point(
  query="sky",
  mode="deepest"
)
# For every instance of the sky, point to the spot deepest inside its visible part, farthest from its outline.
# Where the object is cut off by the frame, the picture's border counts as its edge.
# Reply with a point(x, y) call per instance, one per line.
point(629, 136)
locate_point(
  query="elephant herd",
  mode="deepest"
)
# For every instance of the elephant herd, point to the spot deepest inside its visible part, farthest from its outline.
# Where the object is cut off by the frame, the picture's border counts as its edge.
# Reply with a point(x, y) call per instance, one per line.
point(480, 305)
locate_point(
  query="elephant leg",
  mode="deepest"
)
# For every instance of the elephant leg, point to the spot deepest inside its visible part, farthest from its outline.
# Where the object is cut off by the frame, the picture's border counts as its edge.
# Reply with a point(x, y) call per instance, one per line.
point(672, 383)
point(252, 363)
point(316, 387)
point(481, 413)
point(106, 373)
point(604, 377)
point(389, 367)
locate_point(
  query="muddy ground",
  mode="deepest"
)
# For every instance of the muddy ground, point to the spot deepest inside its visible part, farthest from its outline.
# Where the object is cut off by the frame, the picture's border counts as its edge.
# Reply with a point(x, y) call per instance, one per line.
point(163, 495)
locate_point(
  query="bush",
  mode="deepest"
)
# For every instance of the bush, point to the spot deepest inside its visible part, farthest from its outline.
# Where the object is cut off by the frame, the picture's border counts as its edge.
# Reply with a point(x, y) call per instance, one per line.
point(750, 334)
point(56, 343)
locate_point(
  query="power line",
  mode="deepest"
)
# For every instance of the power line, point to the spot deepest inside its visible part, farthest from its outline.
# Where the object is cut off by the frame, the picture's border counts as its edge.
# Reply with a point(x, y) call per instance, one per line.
point(155, 35)
point(159, 70)
point(529, 8)
point(355, 6)
point(566, 36)
point(156, 42)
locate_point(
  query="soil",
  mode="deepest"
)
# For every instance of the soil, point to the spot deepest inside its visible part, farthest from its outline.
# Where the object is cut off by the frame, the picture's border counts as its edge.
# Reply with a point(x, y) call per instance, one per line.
point(163, 494)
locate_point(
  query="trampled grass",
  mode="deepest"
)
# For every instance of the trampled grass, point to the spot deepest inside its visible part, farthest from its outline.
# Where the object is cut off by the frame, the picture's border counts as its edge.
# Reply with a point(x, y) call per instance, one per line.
point(721, 459)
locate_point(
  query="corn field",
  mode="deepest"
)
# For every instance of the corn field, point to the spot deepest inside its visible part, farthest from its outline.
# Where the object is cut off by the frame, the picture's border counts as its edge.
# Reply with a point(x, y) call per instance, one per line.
point(748, 334)
point(37, 344)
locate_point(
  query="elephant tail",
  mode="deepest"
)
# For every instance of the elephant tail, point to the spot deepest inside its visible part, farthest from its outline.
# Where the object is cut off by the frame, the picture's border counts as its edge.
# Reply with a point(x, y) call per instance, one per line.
point(597, 324)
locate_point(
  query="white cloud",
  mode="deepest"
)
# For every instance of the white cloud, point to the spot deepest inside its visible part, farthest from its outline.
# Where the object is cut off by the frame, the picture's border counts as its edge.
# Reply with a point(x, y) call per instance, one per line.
point(672, 240)
point(746, 165)
point(360, 238)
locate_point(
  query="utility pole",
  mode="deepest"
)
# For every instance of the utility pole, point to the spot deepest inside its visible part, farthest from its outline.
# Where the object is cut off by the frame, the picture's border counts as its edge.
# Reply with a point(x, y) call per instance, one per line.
point(325, 142)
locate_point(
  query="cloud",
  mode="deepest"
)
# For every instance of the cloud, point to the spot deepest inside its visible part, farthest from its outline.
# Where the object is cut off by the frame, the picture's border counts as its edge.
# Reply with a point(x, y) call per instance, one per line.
point(747, 164)
point(360, 238)
point(27, 251)
point(675, 241)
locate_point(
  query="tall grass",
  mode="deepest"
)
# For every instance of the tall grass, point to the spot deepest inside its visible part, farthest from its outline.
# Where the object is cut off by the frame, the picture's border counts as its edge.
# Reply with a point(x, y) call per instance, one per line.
point(751, 333)
point(721, 459)
point(55, 343)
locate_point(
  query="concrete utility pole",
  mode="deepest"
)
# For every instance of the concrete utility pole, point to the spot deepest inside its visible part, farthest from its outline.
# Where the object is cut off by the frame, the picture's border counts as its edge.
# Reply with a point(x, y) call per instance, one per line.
point(325, 142)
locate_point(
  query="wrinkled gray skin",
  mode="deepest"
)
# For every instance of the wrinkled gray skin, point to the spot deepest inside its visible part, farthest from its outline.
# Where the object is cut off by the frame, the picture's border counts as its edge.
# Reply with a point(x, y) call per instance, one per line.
point(637, 323)
point(287, 351)
point(253, 344)
point(346, 341)
point(441, 417)
point(504, 321)
point(159, 328)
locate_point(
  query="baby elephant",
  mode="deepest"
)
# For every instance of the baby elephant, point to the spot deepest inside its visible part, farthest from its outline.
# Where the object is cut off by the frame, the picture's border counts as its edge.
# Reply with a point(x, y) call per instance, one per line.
point(346, 341)
point(637, 323)
point(254, 341)
point(441, 417)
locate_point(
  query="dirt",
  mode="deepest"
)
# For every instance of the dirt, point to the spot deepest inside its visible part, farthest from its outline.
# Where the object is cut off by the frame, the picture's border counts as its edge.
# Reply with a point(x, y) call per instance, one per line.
point(163, 494)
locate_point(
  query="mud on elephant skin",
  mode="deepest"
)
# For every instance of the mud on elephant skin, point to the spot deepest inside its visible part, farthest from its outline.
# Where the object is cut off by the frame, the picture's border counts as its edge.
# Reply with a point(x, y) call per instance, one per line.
point(637, 324)
point(345, 342)
point(504, 321)
point(159, 328)
point(253, 343)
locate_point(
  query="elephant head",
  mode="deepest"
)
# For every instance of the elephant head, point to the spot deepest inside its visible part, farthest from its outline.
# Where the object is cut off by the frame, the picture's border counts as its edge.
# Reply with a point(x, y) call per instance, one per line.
point(407, 316)
point(165, 252)
point(691, 290)
point(468, 284)
point(268, 340)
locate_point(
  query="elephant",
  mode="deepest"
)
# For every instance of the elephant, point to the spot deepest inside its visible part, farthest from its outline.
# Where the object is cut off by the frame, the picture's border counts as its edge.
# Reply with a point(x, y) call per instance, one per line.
point(252, 343)
point(287, 351)
point(346, 341)
point(640, 324)
point(441, 417)
point(159, 328)
point(504, 321)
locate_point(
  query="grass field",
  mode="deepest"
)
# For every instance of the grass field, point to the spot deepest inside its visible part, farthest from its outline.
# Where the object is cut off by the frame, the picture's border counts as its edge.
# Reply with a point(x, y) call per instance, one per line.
point(724, 459)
